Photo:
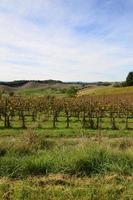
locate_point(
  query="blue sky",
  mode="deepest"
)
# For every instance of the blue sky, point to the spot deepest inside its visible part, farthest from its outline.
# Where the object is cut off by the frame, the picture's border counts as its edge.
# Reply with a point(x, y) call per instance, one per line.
point(69, 40)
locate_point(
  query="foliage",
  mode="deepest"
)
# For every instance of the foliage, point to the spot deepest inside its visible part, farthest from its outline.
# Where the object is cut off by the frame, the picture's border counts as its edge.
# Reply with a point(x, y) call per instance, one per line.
point(72, 91)
point(129, 79)
point(90, 111)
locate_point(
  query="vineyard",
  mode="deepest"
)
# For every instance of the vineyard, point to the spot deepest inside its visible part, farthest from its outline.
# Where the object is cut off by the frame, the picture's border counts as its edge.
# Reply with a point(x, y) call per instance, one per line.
point(77, 147)
point(99, 112)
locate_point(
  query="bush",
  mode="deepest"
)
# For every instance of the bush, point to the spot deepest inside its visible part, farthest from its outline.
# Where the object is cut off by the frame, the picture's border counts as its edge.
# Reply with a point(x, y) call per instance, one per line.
point(117, 84)
point(72, 91)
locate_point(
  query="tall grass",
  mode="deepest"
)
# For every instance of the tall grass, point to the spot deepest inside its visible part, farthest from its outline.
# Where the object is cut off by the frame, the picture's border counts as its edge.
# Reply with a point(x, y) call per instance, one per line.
point(80, 160)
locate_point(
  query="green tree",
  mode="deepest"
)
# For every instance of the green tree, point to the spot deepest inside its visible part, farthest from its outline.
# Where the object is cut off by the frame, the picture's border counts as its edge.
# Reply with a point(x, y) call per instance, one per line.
point(129, 79)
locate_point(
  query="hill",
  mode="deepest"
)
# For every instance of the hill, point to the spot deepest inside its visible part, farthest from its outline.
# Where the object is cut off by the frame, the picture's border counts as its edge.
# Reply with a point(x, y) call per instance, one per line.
point(21, 83)
point(105, 90)
point(46, 87)
point(59, 88)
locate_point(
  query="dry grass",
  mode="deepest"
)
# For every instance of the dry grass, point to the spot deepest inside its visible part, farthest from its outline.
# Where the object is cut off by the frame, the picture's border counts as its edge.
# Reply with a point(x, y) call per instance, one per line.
point(105, 90)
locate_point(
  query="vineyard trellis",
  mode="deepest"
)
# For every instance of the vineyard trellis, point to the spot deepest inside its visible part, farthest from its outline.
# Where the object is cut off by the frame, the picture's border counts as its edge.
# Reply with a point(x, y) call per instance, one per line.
point(91, 112)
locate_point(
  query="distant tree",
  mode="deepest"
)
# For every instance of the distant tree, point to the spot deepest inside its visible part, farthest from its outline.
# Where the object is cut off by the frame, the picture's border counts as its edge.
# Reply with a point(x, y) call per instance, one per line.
point(117, 84)
point(129, 79)
point(104, 83)
point(124, 84)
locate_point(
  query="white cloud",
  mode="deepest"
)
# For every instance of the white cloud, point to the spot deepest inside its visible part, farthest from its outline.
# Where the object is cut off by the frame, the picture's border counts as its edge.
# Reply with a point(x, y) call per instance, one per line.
point(30, 50)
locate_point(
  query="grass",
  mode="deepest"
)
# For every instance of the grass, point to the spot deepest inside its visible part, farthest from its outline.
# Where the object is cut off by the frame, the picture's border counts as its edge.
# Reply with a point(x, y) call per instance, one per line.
point(58, 92)
point(44, 126)
point(32, 154)
point(67, 133)
point(35, 165)
point(41, 92)
point(64, 187)
point(105, 90)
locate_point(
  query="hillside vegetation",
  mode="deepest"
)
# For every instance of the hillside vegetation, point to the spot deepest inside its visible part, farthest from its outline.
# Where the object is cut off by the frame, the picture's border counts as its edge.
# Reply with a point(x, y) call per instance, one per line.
point(40, 88)
point(61, 89)
point(105, 90)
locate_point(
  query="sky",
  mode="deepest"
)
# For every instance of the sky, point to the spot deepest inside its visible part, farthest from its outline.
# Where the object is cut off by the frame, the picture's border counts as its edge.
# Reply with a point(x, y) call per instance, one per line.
point(68, 40)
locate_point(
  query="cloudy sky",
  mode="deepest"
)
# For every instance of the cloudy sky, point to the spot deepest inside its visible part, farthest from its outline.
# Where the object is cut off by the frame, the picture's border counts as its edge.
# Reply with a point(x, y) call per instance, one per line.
point(69, 40)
